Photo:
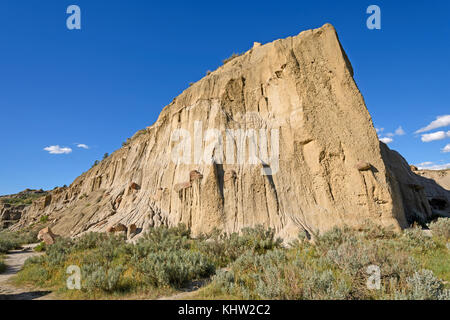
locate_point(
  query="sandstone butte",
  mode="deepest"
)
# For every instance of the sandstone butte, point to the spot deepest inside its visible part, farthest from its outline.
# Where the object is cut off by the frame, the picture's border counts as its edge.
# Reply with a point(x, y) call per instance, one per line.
point(332, 171)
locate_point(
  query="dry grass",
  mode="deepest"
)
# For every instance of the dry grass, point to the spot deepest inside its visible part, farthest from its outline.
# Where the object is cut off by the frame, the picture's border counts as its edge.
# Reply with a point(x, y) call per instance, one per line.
point(250, 265)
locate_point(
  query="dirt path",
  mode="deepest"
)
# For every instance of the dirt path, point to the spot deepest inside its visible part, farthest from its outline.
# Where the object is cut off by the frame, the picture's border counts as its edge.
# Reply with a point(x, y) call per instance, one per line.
point(14, 262)
point(189, 292)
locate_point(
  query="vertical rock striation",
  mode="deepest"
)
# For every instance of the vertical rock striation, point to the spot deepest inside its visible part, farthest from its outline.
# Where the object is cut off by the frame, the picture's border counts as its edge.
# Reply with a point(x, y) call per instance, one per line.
point(322, 160)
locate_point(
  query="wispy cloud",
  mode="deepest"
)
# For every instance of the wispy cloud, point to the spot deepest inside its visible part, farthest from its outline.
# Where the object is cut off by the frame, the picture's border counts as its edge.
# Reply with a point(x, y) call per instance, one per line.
point(438, 135)
point(441, 121)
point(426, 163)
point(446, 148)
point(432, 166)
point(58, 150)
point(386, 140)
point(388, 137)
point(400, 131)
point(82, 145)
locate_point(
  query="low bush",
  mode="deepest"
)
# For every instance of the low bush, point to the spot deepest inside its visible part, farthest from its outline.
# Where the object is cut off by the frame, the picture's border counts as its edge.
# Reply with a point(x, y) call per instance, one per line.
point(161, 258)
point(14, 240)
point(423, 285)
point(253, 264)
point(2, 263)
point(336, 267)
point(40, 247)
point(23, 199)
point(33, 272)
point(441, 228)
point(230, 58)
point(98, 277)
point(174, 268)
point(224, 248)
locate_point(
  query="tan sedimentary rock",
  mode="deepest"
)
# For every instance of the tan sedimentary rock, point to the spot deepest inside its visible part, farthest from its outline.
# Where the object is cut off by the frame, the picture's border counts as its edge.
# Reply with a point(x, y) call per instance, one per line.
point(300, 91)
point(47, 236)
point(131, 231)
point(363, 166)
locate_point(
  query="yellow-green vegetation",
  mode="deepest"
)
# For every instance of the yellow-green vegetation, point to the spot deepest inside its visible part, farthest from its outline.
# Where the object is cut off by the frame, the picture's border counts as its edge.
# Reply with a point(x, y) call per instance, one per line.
point(251, 265)
point(411, 264)
point(40, 247)
point(22, 199)
point(161, 262)
point(2, 263)
point(232, 57)
point(14, 240)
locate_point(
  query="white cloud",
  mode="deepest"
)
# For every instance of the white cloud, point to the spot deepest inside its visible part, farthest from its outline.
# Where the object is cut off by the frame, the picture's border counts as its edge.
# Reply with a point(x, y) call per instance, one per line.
point(446, 148)
point(438, 135)
point(441, 121)
point(83, 146)
point(432, 166)
point(386, 140)
point(58, 150)
point(426, 163)
point(400, 131)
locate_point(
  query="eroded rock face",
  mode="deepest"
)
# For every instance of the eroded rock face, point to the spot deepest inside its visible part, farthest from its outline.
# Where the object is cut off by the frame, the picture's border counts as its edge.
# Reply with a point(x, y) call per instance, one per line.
point(47, 236)
point(10, 214)
point(13, 206)
point(329, 169)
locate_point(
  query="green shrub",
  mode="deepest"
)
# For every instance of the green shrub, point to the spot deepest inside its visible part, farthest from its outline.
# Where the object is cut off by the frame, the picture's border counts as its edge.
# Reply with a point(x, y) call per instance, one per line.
point(441, 228)
point(57, 253)
point(23, 198)
point(415, 238)
point(163, 238)
point(14, 240)
point(89, 240)
point(40, 247)
point(335, 267)
point(174, 268)
point(34, 271)
point(251, 264)
point(225, 248)
point(43, 219)
point(423, 285)
point(2, 263)
point(98, 277)
point(274, 275)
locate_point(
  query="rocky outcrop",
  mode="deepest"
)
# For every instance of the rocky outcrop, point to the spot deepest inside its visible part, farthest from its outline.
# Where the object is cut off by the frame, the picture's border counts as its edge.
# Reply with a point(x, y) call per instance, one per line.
point(47, 236)
point(441, 177)
point(279, 136)
point(418, 193)
point(436, 186)
point(10, 214)
point(12, 207)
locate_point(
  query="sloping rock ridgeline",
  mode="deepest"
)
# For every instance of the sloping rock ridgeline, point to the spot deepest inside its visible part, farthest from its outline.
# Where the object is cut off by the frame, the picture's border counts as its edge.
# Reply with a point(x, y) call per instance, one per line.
point(331, 169)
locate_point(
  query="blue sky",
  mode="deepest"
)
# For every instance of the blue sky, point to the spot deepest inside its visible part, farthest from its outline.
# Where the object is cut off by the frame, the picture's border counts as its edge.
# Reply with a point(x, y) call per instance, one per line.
point(99, 85)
